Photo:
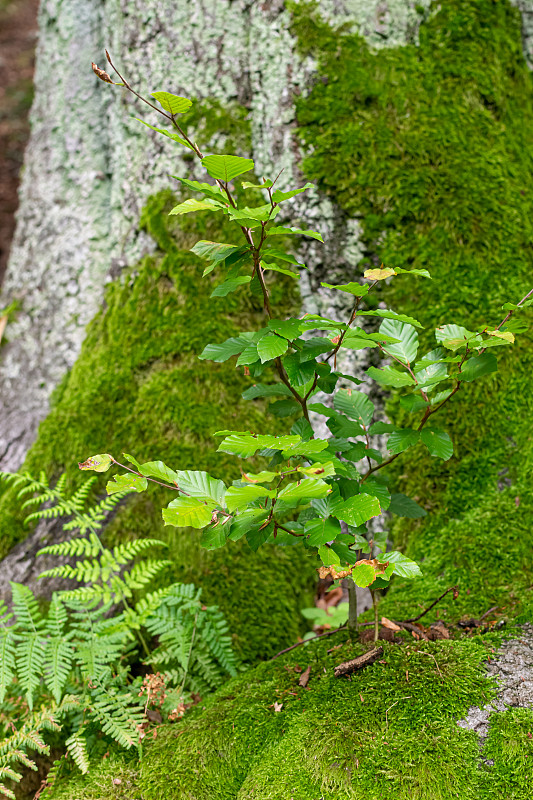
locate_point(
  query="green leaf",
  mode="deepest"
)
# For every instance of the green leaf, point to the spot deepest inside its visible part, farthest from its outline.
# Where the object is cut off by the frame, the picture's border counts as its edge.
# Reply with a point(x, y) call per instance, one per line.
point(158, 470)
point(247, 444)
point(431, 373)
point(390, 376)
point(422, 272)
point(221, 352)
point(407, 346)
point(172, 102)
point(207, 189)
point(257, 536)
point(390, 315)
point(250, 519)
point(185, 512)
point(271, 346)
point(280, 197)
point(248, 356)
point(261, 390)
point(99, 463)
point(192, 204)
point(308, 488)
point(358, 509)
point(298, 374)
point(309, 448)
point(454, 337)
point(226, 168)
point(276, 268)
point(265, 476)
point(265, 185)
point(478, 366)
point(275, 252)
point(413, 403)
point(254, 215)
point(363, 575)
point(319, 531)
point(240, 496)
point(170, 135)
point(328, 556)
point(437, 442)
point(230, 286)
point(355, 405)
point(356, 289)
point(283, 231)
point(214, 536)
point(378, 490)
point(215, 252)
point(285, 408)
point(202, 486)
point(404, 506)
point(403, 566)
point(288, 328)
point(318, 469)
point(129, 482)
point(401, 440)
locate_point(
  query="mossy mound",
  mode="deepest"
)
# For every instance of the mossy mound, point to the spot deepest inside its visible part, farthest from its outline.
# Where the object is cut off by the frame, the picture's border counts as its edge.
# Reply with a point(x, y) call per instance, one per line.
point(389, 732)
point(427, 145)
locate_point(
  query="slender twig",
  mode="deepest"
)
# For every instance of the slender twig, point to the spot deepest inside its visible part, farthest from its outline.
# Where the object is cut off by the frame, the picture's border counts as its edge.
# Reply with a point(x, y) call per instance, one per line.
point(434, 603)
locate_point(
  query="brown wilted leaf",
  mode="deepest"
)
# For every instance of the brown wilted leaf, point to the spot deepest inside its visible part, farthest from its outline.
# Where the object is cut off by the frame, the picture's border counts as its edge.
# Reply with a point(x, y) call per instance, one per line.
point(438, 630)
point(387, 623)
point(304, 677)
point(379, 568)
point(101, 73)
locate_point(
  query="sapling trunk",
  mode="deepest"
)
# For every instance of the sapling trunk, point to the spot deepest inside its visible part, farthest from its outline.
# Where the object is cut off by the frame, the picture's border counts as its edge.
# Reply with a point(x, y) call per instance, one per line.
point(375, 602)
point(352, 608)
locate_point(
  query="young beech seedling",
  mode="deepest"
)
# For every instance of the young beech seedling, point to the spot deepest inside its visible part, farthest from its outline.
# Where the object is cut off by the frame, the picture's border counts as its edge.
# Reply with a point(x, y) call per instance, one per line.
point(318, 493)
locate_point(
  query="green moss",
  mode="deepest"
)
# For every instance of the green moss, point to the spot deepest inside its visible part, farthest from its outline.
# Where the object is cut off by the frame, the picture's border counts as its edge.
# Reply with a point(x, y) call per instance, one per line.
point(510, 746)
point(428, 147)
point(389, 732)
point(138, 387)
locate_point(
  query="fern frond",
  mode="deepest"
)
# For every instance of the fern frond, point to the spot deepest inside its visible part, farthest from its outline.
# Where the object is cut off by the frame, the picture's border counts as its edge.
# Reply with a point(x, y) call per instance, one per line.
point(7, 659)
point(90, 546)
point(129, 550)
point(144, 572)
point(120, 716)
point(30, 659)
point(77, 747)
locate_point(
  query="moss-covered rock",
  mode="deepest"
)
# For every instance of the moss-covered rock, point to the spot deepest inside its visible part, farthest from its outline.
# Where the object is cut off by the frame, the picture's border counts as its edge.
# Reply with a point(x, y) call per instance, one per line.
point(389, 732)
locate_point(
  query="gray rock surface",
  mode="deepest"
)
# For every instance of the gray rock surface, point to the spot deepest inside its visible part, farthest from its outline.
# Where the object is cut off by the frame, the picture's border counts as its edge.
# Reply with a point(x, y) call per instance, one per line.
point(90, 166)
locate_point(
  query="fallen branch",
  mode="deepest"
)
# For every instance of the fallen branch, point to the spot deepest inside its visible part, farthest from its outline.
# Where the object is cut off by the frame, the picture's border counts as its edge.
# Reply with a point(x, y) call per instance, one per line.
point(347, 667)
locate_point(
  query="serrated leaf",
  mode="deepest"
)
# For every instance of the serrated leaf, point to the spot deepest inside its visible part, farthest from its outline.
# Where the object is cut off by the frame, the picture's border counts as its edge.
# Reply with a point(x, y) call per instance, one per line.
point(404, 506)
point(252, 217)
point(285, 408)
point(226, 168)
point(378, 490)
point(247, 444)
point(221, 352)
point(201, 485)
point(298, 374)
point(401, 440)
point(281, 230)
point(129, 482)
point(231, 285)
point(215, 252)
point(357, 509)
point(403, 566)
point(421, 272)
point(328, 556)
point(308, 448)
point(213, 537)
point(437, 442)
point(185, 512)
point(363, 574)
point(455, 336)
point(288, 328)
point(156, 469)
point(258, 536)
point(279, 196)
point(192, 204)
point(245, 521)
point(319, 531)
point(407, 346)
point(173, 103)
point(207, 189)
point(308, 488)
point(390, 376)
point(248, 356)
point(265, 476)
point(276, 268)
point(240, 496)
point(413, 403)
point(385, 314)
point(271, 346)
point(431, 370)
point(170, 135)
point(478, 366)
point(379, 274)
point(355, 405)
point(261, 390)
point(355, 289)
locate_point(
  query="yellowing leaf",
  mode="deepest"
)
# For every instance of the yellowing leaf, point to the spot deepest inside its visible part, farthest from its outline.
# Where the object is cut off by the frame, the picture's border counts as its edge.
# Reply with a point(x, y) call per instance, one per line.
point(507, 335)
point(99, 463)
point(379, 274)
